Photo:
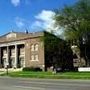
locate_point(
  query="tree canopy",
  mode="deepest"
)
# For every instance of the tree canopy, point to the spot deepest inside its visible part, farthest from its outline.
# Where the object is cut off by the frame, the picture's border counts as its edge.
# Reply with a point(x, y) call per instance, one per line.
point(74, 19)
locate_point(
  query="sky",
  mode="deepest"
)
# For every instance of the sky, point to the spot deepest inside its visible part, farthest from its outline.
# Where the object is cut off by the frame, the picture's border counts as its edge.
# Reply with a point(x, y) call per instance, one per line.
point(31, 15)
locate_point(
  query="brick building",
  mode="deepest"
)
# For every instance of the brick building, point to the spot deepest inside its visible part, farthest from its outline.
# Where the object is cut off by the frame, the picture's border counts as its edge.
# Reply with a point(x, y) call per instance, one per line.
point(19, 49)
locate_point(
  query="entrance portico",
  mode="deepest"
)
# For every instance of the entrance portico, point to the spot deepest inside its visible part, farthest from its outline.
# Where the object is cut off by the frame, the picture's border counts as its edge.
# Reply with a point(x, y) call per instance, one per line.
point(12, 54)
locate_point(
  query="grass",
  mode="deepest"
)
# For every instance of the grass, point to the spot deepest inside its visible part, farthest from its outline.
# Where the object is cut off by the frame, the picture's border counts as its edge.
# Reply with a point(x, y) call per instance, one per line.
point(50, 75)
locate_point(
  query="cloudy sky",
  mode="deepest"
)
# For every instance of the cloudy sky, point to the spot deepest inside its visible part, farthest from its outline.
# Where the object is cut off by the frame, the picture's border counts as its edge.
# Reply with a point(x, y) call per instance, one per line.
point(34, 15)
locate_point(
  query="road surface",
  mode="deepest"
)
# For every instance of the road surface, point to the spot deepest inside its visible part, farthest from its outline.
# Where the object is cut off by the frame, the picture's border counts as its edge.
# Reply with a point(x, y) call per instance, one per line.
point(8, 83)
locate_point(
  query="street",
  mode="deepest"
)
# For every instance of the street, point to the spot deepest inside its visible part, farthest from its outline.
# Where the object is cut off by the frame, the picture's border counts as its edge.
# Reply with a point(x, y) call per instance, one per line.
point(8, 83)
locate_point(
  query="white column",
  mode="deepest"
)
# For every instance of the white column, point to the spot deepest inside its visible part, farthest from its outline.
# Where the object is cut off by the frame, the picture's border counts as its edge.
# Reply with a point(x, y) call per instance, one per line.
point(7, 58)
point(16, 57)
point(0, 57)
point(24, 57)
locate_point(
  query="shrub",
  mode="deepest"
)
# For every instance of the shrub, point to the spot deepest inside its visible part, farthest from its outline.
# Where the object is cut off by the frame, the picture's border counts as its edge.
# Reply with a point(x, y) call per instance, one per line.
point(32, 69)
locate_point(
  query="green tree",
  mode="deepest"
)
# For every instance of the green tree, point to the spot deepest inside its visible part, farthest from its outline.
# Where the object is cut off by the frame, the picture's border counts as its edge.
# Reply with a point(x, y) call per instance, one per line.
point(75, 20)
point(57, 52)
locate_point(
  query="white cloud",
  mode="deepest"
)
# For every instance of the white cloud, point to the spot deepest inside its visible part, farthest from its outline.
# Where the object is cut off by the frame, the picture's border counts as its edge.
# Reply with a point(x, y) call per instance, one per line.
point(19, 22)
point(15, 2)
point(45, 20)
point(45, 15)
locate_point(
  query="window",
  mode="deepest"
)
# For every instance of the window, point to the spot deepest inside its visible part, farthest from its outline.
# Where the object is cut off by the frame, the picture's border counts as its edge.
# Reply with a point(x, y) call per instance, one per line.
point(36, 57)
point(32, 47)
point(32, 57)
point(36, 47)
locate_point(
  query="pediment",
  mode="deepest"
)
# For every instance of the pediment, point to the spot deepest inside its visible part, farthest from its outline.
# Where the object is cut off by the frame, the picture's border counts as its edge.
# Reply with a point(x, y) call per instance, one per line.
point(11, 35)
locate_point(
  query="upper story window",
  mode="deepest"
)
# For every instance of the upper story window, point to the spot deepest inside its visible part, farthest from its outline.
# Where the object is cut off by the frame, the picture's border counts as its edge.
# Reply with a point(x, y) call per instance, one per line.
point(36, 47)
point(32, 47)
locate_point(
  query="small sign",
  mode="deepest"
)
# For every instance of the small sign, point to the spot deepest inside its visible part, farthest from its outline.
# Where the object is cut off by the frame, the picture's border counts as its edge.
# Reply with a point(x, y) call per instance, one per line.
point(84, 69)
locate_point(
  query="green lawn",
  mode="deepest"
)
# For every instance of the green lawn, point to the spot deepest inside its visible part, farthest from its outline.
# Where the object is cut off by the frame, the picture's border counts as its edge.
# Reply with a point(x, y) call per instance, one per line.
point(62, 75)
